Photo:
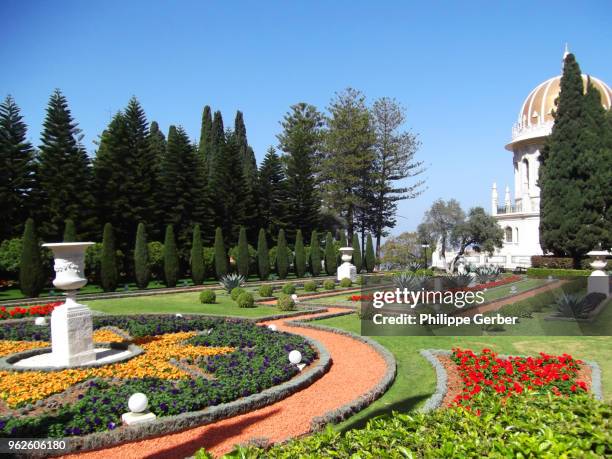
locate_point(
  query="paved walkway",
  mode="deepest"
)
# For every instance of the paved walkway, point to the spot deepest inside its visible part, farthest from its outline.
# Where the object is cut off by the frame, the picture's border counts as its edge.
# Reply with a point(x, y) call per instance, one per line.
point(356, 369)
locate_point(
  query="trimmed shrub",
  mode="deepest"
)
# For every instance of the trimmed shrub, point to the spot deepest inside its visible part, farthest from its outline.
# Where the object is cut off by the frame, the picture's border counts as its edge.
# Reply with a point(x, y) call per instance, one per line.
point(310, 286)
point(315, 254)
point(556, 273)
point(197, 257)
point(156, 259)
point(171, 258)
point(69, 231)
point(242, 257)
point(263, 259)
point(109, 275)
point(265, 291)
point(370, 257)
point(31, 274)
point(552, 262)
point(208, 297)
point(288, 288)
point(220, 255)
point(329, 285)
point(330, 255)
point(345, 282)
point(10, 257)
point(142, 272)
point(236, 292)
point(357, 261)
point(282, 259)
point(285, 303)
point(300, 256)
point(245, 300)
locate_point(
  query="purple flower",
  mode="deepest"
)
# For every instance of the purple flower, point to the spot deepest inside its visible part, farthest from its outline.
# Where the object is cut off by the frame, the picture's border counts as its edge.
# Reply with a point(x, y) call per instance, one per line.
point(2, 424)
point(111, 425)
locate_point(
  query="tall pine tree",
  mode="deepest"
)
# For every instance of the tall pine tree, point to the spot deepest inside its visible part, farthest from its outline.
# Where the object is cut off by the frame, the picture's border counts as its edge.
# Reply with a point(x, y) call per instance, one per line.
point(205, 144)
point(16, 171)
point(63, 173)
point(249, 172)
point(301, 142)
point(273, 206)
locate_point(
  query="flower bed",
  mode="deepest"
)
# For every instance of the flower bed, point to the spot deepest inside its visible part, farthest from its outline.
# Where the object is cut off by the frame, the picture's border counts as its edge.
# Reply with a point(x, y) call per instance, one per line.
point(189, 364)
point(486, 375)
point(497, 283)
point(19, 312)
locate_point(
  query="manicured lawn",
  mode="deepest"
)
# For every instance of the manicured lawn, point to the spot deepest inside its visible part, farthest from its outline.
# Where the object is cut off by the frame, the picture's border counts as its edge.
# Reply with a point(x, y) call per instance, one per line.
point(415, 380)
point(185, 303)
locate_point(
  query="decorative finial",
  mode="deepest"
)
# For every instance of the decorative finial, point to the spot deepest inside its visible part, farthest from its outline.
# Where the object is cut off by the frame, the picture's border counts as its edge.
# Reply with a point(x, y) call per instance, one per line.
point(566, 52)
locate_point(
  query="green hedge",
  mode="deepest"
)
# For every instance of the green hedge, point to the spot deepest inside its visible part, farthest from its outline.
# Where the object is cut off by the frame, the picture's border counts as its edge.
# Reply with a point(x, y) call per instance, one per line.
point(547, 261)
point(557, 273)
point(525, 426)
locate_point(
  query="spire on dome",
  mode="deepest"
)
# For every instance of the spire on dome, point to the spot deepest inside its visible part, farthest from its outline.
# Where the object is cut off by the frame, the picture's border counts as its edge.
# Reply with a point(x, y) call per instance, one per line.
point(565, 52)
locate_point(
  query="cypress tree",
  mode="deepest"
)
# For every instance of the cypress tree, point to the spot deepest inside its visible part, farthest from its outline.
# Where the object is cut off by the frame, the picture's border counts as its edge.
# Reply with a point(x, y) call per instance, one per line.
point(370, 258)
point(357, 253)
point(63, 173)
point(282, 257)
point(242, 261)
point(142, 272)
point(263, 259)
point(330, 255)
point(249, 169)
point(171, 258)
point(197, 257)
point(17, 166)
point(300, 256)
point(204, 146)
point(315, 254)
point(109, 275)
point(31, 274)
point(157, 145)
point(69, 231)
point(220, 254)
point(273, 210)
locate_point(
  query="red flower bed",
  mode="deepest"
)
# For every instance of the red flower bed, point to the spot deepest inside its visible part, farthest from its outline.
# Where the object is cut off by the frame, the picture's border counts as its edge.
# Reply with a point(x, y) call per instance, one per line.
point(360, 298)
point(488, 375)
point(19, 312)
point(497, 283)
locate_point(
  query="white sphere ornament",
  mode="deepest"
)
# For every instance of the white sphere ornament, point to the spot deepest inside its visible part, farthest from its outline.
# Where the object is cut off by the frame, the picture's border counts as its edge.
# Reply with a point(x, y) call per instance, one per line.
point(272, 327)
point(179, 315)
point(40, 321)
point(138, 402)
point(294, 297)
point(295, 357)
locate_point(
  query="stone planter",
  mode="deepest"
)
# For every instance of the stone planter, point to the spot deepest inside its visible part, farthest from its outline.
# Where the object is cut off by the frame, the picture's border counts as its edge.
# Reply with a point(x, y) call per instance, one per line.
point(346, 269)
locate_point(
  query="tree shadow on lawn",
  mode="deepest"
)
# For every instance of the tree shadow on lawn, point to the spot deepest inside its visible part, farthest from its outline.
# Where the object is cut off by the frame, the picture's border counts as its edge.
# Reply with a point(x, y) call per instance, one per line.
point(402, 406)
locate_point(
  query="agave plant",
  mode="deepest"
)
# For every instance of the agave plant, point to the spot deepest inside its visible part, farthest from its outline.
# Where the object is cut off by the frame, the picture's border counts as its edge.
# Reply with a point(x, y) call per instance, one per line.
point(414, 266)
point(409, 281)
point(486, 274)
point(569, 304)
point(231, 281)
point(457, 280)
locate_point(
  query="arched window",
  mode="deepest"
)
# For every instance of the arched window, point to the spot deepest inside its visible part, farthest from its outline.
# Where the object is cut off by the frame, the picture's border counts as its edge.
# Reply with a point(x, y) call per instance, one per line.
point(516, 237)
point(526, 165)
point(508, 232)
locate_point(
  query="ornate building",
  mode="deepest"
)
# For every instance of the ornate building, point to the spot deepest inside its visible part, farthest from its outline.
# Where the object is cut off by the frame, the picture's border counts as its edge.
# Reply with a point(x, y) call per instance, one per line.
point(519, 213)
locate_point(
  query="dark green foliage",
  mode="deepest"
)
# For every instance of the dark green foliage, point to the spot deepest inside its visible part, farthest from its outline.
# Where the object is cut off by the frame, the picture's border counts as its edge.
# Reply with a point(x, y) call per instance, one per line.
point(171, 258)
point(273, 210)
point(109, 275)
point(142, 271)
point(329, 285)
point(249, 172)
point(282, 256)
point(236, 291)
point(220, 255)
point(245, 300)
point(208, 297)
point(242, 260)
point(157, 145)
point(17, 168)
point(370, 257)
point(285, 303)
point(310, 286)
point(69, 231)
point(31, 274)
point(156, 259)
point(63, 165)
point(574, 190)
point(315, 254)
point(265, 291)
point(197, 257)
point(357, 253)
point(331, 263)
point(300, 256)
point(341, 243)
point(557, 273)
point(301, 143)
point(288, 288)
point(346, 282)
point(10, 258)
point(263, 260)
point(205, 145)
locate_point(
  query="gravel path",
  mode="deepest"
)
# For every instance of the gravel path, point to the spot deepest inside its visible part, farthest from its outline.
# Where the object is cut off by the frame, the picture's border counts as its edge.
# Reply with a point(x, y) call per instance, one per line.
point(356, 368)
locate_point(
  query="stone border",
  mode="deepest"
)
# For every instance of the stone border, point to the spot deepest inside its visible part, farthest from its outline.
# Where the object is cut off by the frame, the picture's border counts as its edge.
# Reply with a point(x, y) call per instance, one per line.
point(364, 400)
point(435, 401)
point(172, 424)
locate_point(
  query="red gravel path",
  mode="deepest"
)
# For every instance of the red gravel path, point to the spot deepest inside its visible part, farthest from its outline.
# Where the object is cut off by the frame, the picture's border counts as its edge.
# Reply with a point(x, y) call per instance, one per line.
point(356, 369)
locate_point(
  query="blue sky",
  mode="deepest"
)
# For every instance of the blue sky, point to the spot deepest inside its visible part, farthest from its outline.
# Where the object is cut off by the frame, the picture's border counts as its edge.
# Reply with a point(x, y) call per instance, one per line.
point(462, 69)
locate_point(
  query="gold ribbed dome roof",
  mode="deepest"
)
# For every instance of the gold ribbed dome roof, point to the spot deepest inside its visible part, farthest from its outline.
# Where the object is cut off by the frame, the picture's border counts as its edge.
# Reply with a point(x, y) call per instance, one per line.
point(538, 107)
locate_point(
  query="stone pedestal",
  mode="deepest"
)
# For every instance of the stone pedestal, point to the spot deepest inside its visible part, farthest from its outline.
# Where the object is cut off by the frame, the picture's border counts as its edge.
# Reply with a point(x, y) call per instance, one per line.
point(346, 269)
point(72, 334)
point(599, 280)
point(137, 418)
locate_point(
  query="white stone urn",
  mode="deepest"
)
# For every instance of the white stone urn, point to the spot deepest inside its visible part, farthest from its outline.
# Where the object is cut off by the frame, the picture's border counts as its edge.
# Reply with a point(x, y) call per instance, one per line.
point(71, 323)
point(346, 269)
point(599, 281)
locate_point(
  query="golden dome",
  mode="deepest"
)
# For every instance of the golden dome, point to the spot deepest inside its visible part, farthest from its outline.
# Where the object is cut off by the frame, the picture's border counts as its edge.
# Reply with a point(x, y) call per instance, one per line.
point(538, 107)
